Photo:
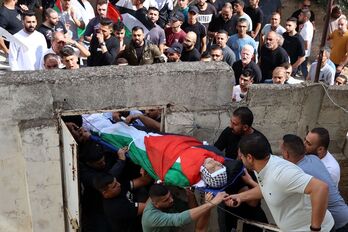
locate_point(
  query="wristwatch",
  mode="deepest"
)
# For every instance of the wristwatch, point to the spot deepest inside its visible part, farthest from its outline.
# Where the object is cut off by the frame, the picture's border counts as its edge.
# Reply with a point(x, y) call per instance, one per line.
point(102, 44)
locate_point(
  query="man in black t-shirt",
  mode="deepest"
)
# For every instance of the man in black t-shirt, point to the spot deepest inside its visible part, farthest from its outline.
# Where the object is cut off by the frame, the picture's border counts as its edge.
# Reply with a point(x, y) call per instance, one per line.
point(190, 53)
point(10, 20)
point(272, 55)
point(256, 15)
point(206, 12)
point(241, 124)
point(223, 21)
point(293, 44)
point(193, 25)
point(50, 25)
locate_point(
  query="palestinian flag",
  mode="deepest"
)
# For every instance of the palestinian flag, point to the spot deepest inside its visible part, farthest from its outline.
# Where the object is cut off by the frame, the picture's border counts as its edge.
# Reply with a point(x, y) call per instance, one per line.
point(173, 159)
point(77, 5)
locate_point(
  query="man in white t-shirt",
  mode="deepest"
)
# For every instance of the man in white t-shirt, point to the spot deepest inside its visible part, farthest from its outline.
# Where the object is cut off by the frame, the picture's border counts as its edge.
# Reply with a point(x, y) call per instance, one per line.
point(26, 53)
point(245, 81)
point(306, 32)
point(317, 142)
point(274, 25)
point(297, 201)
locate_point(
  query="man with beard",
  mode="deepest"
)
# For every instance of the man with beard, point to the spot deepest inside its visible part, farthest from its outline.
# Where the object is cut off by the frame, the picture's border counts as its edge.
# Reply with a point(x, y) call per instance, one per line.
point(222, 22)
point(160, 213)
point(206, 12)
point(272, 55)
point(141, 51)
point(174, 52)
point(29, 57)
point(297, 201)
point(241, 125)
point(103, 46)
point(50, 25)
point(221, 40)
point(190, 53)
point(317, 143)
point(195, 26)
point(339, 46)
point(246, 62)
point(307, 32)
point(92, 26)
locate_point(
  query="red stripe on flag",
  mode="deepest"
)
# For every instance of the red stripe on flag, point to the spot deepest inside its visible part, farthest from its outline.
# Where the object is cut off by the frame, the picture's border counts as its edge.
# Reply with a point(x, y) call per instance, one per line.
point(58, 5)
point(112, 13)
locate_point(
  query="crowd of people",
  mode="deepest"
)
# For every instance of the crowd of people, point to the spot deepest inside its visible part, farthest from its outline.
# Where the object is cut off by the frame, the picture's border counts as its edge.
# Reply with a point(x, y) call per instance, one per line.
point(300, 189)
point(247, 35)
point(118, 195)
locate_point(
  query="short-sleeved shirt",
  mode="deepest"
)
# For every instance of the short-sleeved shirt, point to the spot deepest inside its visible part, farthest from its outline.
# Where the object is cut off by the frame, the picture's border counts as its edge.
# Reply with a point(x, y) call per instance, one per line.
point(155, 220)
point(218, 23)
point(270, 59)
point(199, 29)
point(236, 44)
point(172, 37)
point(207, 15)
point(326, 75)
point(48, 31)
point(307, 34)
point(192, 55)
point(281, 181)
point(238, 69)
point(294, 46)
point(312, 165)
point(10, 20)
point(267, 28)
point(339, 46)
point(332, 166)
point(255, 14)
point(229, 56)
point(156, 35)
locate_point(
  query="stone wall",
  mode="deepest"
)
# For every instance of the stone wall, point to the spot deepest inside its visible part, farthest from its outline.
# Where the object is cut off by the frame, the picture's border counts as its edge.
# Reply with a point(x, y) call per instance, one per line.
point(196, 99)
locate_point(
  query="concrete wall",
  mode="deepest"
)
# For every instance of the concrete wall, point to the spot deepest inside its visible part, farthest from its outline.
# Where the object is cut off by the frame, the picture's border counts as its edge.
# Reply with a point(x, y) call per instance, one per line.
point(196, 98)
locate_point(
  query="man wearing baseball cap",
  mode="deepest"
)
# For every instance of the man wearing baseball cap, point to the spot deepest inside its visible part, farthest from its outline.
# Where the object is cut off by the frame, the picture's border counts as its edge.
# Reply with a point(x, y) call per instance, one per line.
point(174, 52)
point(193, 25)
point(174, 33)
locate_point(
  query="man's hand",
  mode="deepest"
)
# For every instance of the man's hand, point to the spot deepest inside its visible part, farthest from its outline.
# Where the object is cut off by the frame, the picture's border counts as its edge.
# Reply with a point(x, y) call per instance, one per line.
point(23, 7)
point(72, 12)
point(131, 118)
point(121, 153)
point(221, 196)
point(233, 201)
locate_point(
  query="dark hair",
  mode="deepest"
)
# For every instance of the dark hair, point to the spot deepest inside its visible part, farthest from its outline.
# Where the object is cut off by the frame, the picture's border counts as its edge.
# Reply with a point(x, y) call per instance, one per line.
point(248, 73)
point(243, 20)
point(292, 19)
point(118, 26)
point(152, 8)
point(101, 181)
point(91, 151)
point(245, 115)
point(158, 190)
point(121, 61)
point(205, 55)
point(49, 56)
point(215, 47)
point(306, 12)
point(324, 137)
point(240, 2)
point(77, 119)
point(67, 51)
point(344, 77)
point(136, 28)
point(106, 22)
point(102, 2)
point(28, 13)
point(294, 145)
point(285, 65)
point(256, 145)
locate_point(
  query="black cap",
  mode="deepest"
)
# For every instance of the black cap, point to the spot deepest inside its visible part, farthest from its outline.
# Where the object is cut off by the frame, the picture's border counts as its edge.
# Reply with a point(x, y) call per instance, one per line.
point(193, 9)
point(175, 48)
point(178, 16)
